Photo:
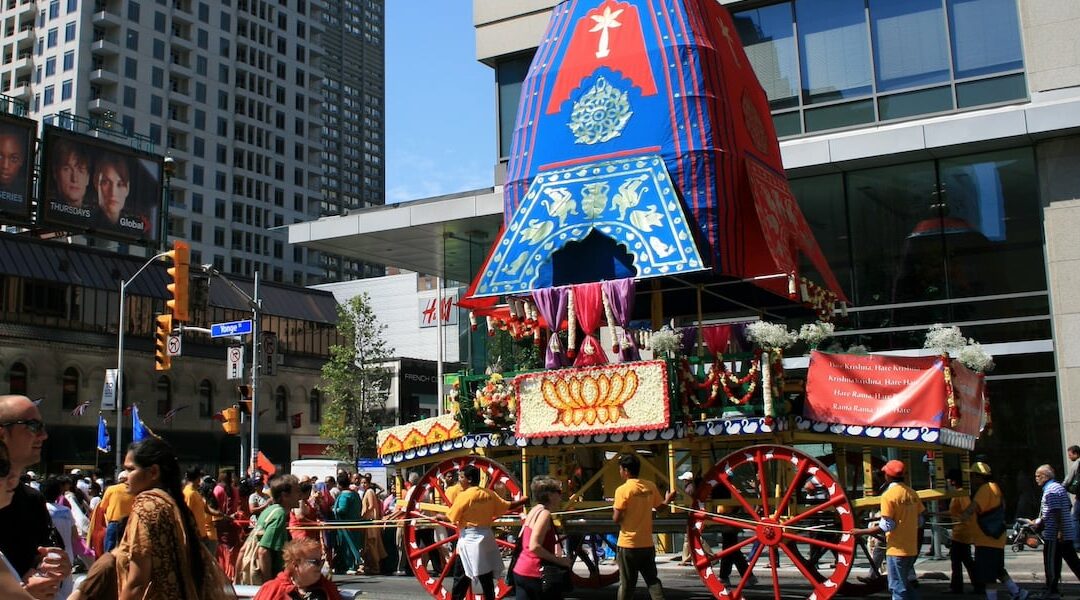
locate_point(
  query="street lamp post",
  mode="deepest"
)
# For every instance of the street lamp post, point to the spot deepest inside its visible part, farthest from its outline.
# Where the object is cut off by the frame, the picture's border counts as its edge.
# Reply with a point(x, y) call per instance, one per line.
point(121, 328)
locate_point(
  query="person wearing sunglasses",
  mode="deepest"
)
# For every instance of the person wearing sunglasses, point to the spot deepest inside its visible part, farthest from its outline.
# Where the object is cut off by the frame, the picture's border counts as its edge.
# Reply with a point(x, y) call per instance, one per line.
point(10, 580)
point(304, 575)
point(25, 523)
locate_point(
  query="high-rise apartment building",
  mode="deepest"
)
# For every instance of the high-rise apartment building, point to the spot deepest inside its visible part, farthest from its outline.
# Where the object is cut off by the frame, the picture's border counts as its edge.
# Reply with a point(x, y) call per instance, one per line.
point(231, 90)
point(353, 175)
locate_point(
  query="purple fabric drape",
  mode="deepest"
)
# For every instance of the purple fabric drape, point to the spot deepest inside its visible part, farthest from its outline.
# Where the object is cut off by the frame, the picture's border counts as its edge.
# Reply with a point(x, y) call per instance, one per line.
point(620, 297)
point(551, 303)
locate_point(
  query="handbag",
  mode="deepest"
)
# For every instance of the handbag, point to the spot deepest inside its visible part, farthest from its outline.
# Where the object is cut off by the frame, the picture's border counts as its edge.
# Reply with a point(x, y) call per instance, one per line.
point(555, 579)
point(247, 561)
point(992, 522)
point(514, 554)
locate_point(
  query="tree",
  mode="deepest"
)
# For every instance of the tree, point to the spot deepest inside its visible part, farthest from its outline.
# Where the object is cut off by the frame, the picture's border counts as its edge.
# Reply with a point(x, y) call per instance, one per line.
point(356, 382)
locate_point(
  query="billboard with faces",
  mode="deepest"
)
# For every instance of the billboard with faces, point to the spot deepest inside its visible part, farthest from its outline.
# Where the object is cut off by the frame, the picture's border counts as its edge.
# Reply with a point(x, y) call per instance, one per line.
point(99, 187)
point(17, 136)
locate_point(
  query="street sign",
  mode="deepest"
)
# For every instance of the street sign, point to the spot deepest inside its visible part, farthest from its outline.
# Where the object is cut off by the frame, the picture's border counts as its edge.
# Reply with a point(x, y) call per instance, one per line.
point(269, 353)
point(230, 329)
point(235, 357)
point(174, 345)
point(108, 391)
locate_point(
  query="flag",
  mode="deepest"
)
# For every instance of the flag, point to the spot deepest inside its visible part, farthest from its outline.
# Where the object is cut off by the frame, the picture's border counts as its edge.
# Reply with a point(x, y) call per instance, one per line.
point(127, 410)
point(103, 442)
point(296, 420)
point(138, 430)
point(265, 465)
point(172, 413)
point(80, 410)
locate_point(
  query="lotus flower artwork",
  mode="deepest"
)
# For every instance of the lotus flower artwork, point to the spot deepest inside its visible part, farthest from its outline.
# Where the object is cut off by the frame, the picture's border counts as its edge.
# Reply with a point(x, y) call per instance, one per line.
point(590, 398)
point(626, 397)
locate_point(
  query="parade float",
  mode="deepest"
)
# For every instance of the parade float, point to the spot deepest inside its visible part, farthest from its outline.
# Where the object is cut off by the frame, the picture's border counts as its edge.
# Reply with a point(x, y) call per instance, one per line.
point(645, 185)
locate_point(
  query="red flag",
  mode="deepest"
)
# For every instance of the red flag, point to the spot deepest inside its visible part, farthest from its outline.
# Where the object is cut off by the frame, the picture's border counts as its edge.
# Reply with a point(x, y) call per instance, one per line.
point(265, 465)
point(296, 420)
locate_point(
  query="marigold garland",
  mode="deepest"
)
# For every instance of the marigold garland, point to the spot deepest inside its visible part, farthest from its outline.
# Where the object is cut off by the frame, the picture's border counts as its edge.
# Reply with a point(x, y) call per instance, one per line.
point(950, 397)
point(720, 379)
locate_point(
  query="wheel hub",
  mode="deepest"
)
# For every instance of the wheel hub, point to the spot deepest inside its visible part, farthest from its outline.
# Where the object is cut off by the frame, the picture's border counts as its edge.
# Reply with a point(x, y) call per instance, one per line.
point(769, 532)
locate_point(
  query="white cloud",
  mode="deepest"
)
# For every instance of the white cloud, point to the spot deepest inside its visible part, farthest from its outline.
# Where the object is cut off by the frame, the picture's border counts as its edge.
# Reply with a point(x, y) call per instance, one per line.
point(424, 176)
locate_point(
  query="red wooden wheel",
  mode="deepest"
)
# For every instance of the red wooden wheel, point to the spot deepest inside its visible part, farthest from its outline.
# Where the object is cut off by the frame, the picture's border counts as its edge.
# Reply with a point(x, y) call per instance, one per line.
point(792, 513)
point(590, 569)
point(433, 561)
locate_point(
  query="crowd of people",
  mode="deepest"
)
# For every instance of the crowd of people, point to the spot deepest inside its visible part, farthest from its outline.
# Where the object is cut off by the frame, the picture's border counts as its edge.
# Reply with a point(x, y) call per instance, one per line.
point(158, 532)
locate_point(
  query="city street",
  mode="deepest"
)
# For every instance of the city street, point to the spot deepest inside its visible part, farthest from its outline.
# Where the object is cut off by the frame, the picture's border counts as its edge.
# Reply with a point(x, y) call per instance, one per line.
point(681, 583)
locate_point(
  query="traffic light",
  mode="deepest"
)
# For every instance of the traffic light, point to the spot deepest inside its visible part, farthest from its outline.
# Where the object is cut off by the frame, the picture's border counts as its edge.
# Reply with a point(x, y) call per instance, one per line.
point(178, 274)
point(162, 330)
point(245, 398)
point(231, 424)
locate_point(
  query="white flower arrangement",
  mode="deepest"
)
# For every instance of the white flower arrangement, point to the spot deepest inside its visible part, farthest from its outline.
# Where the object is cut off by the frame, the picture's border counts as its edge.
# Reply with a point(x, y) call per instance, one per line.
point(815, 333)
point(949, 340)
point(770, 335)
point(666, 342)
point(858, 349)
point(945, 340)
point(975, 358)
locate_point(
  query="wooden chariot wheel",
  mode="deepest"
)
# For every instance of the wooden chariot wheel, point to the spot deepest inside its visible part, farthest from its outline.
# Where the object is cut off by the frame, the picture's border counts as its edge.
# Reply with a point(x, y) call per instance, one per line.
point(591, 568)
point(433, 560)
point(790, 512)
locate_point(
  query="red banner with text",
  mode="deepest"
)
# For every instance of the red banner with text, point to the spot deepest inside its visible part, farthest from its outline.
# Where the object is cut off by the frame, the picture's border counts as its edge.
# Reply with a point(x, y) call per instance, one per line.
point(968, 391)
point(886, 391)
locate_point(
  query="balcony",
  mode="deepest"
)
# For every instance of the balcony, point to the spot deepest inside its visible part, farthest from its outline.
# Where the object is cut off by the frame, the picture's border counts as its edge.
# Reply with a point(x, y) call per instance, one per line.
point(24, 65)
point(105, 46)
point(106, 19)
point(21, 91)
point(25, 7)
point(101, 106)
point(103, 76)
point(26, 34)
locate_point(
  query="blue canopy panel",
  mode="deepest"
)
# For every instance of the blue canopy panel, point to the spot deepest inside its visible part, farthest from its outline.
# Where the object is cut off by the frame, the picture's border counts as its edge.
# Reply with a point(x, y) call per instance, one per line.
point(629, 201)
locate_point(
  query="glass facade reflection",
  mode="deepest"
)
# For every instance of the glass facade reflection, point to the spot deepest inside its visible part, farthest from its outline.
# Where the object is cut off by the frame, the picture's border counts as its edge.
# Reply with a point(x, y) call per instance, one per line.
point(831, 64)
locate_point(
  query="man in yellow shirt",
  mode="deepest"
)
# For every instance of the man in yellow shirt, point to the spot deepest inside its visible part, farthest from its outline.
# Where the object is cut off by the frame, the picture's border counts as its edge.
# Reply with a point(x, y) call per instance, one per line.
point(987, 511)
point(197, 505)
point(117, 505)
point(901, 516)
point(474, 510)
point(635, 500)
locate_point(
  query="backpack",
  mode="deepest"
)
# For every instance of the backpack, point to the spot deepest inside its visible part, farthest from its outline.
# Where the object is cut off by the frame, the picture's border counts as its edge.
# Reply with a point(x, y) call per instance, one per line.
point(247, 561)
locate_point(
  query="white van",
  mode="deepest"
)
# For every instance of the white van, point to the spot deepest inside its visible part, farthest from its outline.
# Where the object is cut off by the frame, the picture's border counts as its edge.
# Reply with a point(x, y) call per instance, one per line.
point(319, 467)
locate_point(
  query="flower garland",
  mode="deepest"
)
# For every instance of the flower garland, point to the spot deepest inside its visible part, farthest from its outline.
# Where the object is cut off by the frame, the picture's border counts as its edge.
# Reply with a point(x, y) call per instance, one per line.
point(988, 426)
point(571, 325)
point(609, 317)
point(772, 382)
point(720, 379)
point(496, 401)
point(821, 299)
point(950, 396)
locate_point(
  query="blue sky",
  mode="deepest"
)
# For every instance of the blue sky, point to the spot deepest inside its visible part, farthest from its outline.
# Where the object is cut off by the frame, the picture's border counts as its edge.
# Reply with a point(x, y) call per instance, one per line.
point(440, 102)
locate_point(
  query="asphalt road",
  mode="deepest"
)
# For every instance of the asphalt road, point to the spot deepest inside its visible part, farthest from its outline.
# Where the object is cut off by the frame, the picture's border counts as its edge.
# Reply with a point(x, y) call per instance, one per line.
point(682, 583)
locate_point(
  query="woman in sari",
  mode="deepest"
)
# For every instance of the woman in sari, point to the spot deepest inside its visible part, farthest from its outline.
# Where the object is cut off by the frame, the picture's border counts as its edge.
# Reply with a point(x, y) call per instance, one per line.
point(347, 507)
point(371, 510)
point(160, 556)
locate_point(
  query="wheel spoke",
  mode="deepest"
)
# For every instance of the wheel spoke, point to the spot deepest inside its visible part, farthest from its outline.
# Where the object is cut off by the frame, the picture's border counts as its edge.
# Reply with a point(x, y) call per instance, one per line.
point(504, 543)
point(803, 466)
point(721, 520)
point(737, 547)
point(447, 568)
point(763, 482)
point(754, 556)
point(433, 547)
point(810, 577)
point(775, 557)
point(738, 495)
point(816, 542)
point(836, 501)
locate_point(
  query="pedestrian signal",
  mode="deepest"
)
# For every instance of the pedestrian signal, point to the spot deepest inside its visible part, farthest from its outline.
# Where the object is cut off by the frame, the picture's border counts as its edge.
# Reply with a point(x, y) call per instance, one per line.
point(162, 330)
point(178, 284)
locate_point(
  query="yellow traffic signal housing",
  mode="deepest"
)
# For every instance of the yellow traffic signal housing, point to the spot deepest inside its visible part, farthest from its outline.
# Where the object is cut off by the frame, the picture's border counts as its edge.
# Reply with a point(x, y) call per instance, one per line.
point(178, 274)
point(231, 424)
point(162, 330)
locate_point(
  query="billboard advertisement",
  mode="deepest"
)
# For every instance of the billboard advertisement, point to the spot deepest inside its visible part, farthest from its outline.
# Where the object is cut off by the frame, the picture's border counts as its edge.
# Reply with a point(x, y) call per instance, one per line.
point(100, 187)
point(16, 163)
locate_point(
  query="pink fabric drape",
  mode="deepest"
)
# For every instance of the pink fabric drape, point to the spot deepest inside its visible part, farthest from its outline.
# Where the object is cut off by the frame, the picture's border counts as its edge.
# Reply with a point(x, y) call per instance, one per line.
point(620, 296)
point(589, 307)
point(551, 303)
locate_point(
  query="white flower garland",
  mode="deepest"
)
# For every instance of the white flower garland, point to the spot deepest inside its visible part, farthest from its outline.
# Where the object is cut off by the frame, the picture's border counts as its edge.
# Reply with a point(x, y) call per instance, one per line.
point(770, 335)
point(815, 333)
point(665, 342)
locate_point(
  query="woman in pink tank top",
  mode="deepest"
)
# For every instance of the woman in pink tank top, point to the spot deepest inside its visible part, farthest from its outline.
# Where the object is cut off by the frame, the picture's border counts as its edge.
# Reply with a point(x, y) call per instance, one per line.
point(538, 541)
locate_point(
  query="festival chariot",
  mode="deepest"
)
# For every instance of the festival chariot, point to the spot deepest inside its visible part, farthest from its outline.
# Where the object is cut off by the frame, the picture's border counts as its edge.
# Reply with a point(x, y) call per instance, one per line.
point(654, 253)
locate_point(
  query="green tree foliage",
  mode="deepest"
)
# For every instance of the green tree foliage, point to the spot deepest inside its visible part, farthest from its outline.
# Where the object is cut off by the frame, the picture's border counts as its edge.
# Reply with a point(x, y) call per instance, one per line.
point(356, 382)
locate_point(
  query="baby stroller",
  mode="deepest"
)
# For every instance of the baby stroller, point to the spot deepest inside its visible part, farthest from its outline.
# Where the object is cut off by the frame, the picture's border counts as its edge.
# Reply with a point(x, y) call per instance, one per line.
point(1023, 535)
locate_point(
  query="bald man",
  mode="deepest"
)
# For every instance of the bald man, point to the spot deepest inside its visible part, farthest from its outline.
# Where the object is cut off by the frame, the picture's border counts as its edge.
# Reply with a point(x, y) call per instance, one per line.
point(25, 523)
point(1058, 529)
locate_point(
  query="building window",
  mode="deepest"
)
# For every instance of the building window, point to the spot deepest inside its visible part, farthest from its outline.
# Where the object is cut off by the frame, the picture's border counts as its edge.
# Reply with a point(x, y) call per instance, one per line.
point(65, 90)
point(281, 404)
point(509, 74)
point(54, 37)
point(72, 6)
point(47, 99)
point(133, 11)
point(206, 399)
point(69, 389)
point(164, 395)
point(69, 32)
point(17, 378)
point(50, 66)
point(69, 60)
point(315, 407)
point(862, 61)
point(132, 39)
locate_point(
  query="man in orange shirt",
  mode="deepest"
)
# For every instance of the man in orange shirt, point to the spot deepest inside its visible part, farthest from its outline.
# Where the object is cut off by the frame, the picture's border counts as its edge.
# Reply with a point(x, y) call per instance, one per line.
point(988, 531)
point(197, 505)
point(635, 500)
point(962, 536)
point(116, 503)
point(474, 510)
point(901, 517)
